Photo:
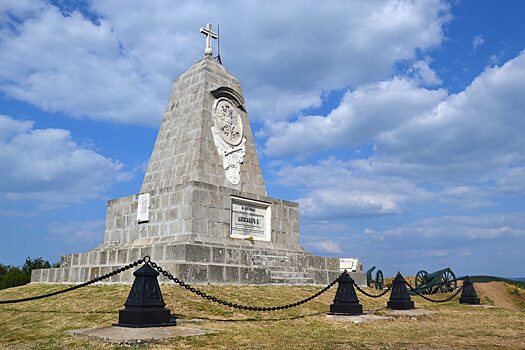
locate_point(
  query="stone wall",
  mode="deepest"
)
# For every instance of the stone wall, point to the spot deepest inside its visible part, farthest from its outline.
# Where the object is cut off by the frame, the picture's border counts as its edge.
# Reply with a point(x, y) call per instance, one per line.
point(197, 209)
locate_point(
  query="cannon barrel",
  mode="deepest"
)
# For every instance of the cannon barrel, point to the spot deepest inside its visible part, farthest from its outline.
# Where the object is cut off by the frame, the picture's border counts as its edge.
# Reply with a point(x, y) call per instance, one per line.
point(369, 279)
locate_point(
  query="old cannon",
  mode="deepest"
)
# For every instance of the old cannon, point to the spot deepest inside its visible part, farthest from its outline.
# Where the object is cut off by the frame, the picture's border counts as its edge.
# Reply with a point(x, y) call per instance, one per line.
point(379, 281)
point(430, 283)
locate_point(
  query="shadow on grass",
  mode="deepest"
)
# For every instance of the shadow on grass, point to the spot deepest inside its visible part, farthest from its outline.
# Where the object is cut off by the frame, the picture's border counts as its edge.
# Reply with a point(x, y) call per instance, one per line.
point(189, 319)
point(63, 311)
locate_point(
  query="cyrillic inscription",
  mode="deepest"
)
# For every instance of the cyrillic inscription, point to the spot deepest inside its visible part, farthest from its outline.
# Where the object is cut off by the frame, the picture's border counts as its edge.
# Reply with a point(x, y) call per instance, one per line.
point(250, 219)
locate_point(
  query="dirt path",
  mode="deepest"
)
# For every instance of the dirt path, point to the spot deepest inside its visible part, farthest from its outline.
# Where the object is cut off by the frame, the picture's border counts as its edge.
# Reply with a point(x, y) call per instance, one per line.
point(498, 292)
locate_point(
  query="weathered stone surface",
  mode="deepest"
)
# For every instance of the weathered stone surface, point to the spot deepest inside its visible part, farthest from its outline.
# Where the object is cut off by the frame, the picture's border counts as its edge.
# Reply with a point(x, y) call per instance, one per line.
point(188, 227)
point(188, 124)
point(133, 336)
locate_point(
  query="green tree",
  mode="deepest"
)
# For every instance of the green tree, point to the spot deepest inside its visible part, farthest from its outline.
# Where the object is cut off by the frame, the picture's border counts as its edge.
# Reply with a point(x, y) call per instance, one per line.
point(12, 276)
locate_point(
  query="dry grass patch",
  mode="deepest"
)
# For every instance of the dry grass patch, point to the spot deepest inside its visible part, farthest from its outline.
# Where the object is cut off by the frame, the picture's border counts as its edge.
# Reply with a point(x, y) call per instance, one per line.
point(41, 324)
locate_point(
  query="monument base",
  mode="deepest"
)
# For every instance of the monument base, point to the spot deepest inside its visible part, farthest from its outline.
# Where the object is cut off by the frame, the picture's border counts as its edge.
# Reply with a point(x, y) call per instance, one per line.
point(203, 263)
point(189, 233)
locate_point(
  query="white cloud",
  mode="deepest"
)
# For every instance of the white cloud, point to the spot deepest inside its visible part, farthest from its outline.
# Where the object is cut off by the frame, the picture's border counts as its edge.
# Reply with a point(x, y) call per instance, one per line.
point(47, 166)
point(421, 134)
point(69, 64)
point(334, 190)
point(426, 74)
point(362, 116)
point(327, 246)
point(120, 66)
point(77, 231)
point(513, 180)
point(472, 133)
point(458, 227)
point(467, 197)
point(477, 41)
point(433, 253)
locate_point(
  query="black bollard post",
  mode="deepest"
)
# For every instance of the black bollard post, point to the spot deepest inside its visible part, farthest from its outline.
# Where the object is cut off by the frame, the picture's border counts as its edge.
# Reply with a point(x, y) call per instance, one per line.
point(399, 297)
point(468, 294)
point(145, 306)
point(346, 301)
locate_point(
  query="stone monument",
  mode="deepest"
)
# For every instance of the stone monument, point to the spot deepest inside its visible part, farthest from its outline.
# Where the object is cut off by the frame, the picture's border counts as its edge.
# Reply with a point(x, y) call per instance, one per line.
point(203, 212)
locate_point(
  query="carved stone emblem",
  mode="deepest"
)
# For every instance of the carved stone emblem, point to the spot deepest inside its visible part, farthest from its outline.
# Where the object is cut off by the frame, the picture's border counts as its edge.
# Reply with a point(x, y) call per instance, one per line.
point(228, 135)
point(228, 120)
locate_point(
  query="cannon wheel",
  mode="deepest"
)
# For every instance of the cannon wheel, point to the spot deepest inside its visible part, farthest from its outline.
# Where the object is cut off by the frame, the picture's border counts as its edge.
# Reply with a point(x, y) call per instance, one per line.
point(380, 280)
point(421, 280)
point(448, 280)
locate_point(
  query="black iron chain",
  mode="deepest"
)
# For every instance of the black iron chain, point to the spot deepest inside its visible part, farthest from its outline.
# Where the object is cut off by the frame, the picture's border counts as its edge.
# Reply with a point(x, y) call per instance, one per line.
point(372, 295)
point(95, 280)
point(432, 300)
point(234, 305)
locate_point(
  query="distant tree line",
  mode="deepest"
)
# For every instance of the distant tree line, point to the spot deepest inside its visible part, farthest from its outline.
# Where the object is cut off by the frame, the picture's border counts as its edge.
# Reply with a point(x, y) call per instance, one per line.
point(12, 276)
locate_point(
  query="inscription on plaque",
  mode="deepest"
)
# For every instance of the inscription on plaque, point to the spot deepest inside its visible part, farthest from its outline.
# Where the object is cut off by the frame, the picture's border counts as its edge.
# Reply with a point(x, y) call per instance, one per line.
point(250, 219)
point(143, 208)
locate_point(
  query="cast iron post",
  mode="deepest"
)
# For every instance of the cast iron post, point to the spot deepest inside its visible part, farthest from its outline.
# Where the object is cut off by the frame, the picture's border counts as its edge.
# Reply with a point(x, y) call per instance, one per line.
point(399, 297)
point(346, 301)
point(468, 294)
point(145, 306)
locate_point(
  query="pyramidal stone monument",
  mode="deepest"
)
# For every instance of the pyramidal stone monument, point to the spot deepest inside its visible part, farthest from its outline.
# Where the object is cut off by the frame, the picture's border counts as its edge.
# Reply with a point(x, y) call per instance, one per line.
point(202, 212)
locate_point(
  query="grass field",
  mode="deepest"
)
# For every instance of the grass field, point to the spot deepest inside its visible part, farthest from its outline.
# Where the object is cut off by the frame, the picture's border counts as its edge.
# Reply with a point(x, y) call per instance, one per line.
point(41, 324)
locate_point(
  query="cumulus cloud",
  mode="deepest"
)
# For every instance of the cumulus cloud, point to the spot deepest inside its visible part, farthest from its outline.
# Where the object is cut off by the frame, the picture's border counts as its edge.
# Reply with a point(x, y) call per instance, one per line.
point(425, 73)
point(363, 115)
point(334, 190)
point(117, 62)
point(66, 63)
point(47, 166)
point(418, 133)
point(476, 131)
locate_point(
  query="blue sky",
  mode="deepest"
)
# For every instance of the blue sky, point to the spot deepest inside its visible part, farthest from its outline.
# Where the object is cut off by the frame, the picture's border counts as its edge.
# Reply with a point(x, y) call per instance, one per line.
point(397, 126)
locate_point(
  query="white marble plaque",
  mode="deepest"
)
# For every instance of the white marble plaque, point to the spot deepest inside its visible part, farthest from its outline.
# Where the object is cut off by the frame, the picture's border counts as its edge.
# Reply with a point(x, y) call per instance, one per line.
point(251, 219)
point(143, 208)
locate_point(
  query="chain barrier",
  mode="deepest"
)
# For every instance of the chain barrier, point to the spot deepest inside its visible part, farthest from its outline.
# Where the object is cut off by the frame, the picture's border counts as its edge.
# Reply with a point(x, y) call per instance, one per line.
point(432, 300)
point(95, 280)
point(372, 295)
point(234, 305)
point(206, 296)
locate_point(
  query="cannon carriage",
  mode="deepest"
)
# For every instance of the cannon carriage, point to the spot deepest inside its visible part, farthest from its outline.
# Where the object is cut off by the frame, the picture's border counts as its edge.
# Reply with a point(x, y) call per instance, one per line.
point(440, 281)
point(378, 281)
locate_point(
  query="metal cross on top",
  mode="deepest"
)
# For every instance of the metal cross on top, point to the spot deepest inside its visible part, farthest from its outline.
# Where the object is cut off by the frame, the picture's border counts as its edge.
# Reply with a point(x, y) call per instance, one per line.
point(209, 35)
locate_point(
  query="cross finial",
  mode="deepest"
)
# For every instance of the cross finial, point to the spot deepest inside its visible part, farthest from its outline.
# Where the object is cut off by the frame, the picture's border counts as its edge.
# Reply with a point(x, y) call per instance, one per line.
point(209, 35)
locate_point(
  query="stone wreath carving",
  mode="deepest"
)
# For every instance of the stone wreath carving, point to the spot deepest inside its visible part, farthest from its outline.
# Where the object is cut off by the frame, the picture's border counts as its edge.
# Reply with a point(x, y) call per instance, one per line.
point(228, 135)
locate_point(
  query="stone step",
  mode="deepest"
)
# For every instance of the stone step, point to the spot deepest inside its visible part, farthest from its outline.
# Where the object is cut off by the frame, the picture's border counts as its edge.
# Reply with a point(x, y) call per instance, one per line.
point(277, 265)
point(287, 274)
point(271, 257)
point(273, 263)
point(297, 280)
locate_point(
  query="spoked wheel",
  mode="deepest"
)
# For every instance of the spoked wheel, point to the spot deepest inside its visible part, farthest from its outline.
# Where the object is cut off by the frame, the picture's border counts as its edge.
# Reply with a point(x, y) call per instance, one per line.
point(448, 280)
point(380, 281)
point(422, 281)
